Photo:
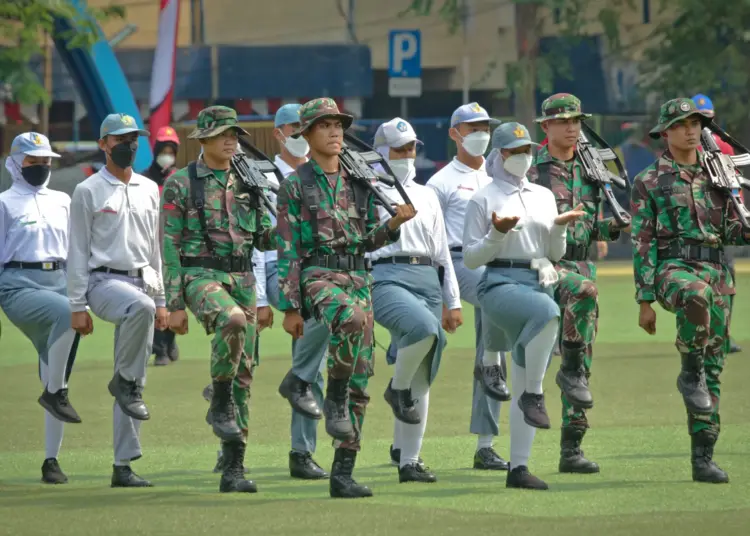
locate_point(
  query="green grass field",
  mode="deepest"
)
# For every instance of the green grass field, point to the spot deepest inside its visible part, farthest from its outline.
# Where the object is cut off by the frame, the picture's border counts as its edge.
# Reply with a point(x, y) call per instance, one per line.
point(639, 438)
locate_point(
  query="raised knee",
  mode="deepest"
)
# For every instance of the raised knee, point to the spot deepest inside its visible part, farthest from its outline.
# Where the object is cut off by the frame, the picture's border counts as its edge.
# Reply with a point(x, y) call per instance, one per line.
point(236, 323)
point(588, 291)
point(352, 321)
point(424, 329)
point(144, 306)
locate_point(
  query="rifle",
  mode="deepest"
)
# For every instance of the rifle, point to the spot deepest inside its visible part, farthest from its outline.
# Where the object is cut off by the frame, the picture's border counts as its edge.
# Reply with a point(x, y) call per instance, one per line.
point(358, 165)
point(723, 172)
point(594, 169)
point(252, 173)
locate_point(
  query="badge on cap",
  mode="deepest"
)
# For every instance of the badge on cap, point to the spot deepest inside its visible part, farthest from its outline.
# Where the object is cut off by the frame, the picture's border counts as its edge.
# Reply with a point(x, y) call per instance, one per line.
point(36, 139)
point(401, 126)
point(685, 107)
point(477, 108)
point(168, 131)
point(127, 120)
point(701, 101)
point(519, 132)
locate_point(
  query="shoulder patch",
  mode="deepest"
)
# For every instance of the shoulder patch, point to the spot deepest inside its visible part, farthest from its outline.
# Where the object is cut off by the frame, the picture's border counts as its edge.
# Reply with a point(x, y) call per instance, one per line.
point(169, 196)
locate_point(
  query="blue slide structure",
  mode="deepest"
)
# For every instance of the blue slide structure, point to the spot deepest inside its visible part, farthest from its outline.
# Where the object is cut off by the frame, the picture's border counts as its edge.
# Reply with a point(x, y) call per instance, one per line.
point(100, 81)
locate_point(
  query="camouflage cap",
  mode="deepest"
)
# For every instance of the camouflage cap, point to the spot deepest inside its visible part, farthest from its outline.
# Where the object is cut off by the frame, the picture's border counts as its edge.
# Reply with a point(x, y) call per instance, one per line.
point(561, 106)
point(318, 109)
point(676, 110)
point(214, 120)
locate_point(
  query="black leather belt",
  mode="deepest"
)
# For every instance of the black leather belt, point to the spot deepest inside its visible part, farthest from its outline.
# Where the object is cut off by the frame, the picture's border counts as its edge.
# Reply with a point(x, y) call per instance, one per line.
point(129, 273)
point(509, 264)
point(457, 249)
point(576, 252)
point(46, 266)
point(405, 259)
point(230, 264)
point(692, 253)
point(347, 263)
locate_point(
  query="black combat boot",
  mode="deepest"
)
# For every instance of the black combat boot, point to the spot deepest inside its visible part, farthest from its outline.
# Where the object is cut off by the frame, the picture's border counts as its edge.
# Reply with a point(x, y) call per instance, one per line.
point(342, 484)
point(300, 396)
point(59, 406)
point(129, 396)
point(492, 380)
point(222, 413)
point(534, 411)
point(173, 351)
point(336, 410)
point(415, 472)
point(692, 384)
point(302, 466)
point(571, 455)
point(52, 473)
point(219, 467)
point(402, 404)
point(571, 378)
point(520, 478)
point(233, 476)
point(704, 468)
point(124, 477)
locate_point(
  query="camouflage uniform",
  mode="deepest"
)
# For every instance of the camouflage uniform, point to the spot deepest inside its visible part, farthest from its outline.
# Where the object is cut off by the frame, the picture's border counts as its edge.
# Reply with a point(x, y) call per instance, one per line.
point(217, 286)
point(339, 298)
point(576, 292)
point(680, 226)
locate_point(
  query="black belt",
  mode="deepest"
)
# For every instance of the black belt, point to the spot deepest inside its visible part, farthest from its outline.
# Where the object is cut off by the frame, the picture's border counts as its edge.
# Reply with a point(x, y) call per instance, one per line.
point(347, 263)
point(129, 273)
point(576, 252)
point(46, 266)
point(457, 249)
point(509, 264)
point(229, 264)
point(405, 259)
point(692, 253)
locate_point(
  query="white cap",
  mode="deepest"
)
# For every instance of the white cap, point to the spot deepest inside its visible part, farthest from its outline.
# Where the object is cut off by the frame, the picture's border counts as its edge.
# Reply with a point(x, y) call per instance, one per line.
point(32, 144)
point(395, 133)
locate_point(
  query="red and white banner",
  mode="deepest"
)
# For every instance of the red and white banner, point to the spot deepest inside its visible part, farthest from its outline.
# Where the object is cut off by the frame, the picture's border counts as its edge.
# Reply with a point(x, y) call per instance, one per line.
point(162, 74)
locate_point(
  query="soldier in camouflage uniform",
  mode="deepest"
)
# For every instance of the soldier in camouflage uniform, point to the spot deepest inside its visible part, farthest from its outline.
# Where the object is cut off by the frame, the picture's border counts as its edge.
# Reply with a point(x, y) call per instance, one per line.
point(211, 226)
point(557, 168)
point(326, 223)
point(680, 227)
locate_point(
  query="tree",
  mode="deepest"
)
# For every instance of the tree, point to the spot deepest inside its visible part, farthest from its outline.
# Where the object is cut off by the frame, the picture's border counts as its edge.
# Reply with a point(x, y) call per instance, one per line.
point(24, 27)
point(706, 49)
point(532, 70)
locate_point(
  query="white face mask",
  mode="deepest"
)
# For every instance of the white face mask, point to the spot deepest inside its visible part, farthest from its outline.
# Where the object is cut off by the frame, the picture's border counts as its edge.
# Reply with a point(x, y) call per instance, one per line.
point(297, 147)
point(476, 143)
point(165, 160)
point(402, 168)
point(518, 164)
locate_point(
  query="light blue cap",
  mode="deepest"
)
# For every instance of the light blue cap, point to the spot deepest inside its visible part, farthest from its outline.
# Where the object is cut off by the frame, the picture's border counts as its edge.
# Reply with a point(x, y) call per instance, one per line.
point(511, 136)
point(287, 115)
point(32, 144)
point(119, 124)
point(471, 113)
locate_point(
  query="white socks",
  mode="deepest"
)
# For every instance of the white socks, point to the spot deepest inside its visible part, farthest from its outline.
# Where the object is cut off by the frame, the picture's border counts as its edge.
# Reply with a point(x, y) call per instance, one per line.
point(484, 442)
point(521, 434)
point(57, 360)
point(408, 437)
point(491, 358)
point(53, 436)
point(538, 351)
point(408, 360)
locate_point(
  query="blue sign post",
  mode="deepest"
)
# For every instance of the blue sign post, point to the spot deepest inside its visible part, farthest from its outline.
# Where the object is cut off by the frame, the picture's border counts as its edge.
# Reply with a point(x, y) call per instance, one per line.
point(404, 65)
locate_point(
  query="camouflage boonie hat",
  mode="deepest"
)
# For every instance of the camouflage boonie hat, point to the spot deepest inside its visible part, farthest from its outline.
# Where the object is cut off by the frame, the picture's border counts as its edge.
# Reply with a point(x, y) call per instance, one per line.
point(561, 106)
point(318, 109)
point(676, 110)
point(214, 120)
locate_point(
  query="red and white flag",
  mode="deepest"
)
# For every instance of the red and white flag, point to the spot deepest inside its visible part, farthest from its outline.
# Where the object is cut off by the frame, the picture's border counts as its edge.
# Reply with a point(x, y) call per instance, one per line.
point(162, 73)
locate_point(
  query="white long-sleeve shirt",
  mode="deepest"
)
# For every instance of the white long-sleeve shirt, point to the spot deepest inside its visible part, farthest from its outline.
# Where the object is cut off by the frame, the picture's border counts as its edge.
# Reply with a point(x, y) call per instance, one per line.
point(455, 185)
point(34, 224)
point(422, 236)
point(535, 236)
point(113, 225)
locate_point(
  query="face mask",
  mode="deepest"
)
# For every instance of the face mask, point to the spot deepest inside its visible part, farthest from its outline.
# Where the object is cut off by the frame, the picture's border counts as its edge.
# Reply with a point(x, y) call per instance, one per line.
point(123, 154)
point(165, 161)
point(518, 164)
point(476, 143)
point(35, 175)
point(402, 168)
point(297, 147)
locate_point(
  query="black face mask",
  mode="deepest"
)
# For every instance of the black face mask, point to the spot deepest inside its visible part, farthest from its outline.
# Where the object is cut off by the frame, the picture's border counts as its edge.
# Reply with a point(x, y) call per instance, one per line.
point(35, 175)
point(123, 154)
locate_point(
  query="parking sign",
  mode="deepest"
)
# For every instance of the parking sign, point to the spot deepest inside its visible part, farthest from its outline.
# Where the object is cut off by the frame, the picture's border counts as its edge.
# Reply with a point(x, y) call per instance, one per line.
point(404, 63)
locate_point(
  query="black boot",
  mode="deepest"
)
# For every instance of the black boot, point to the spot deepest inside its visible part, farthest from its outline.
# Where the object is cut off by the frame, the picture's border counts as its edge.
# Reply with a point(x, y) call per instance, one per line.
point(342, 484)
point(704, 468)
point(59, 406)
point(734, 347)
point(173, 351)
point(571, 455)
point(396, 457)
point(520, 478)
point(492, 380)
point(487, 459)
point(336, 410)
point(300, 396)
point(129, 396)
point(124, 477)
point(414, 472)
point(219, 467)
point(692, 384)
point(160, 349)
point(51, 472)
point(302, 466)
point(233, 476)
point(222, 414)
point(571, 378)
point(402, 404)
point(534, 411)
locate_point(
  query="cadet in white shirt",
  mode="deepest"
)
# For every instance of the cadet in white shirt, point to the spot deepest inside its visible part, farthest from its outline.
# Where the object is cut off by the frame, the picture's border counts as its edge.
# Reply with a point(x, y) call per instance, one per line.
point(512, 228)
point(454, 185)
point(114, 267)
point(408, 301)
point(33, 248)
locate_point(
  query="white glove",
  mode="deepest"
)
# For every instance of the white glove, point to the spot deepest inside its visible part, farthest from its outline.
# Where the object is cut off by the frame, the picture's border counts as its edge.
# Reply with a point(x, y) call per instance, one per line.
point(547, 273)
point(153, 282)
